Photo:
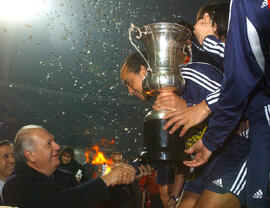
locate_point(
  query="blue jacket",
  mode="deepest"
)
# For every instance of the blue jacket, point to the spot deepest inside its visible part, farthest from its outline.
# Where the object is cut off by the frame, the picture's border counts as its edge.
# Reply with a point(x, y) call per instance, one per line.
point(246, 69)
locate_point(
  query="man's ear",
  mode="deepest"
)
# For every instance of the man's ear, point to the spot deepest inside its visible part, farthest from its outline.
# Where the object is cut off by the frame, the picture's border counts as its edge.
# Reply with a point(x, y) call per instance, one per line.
point(143, 70)
point(30, 156)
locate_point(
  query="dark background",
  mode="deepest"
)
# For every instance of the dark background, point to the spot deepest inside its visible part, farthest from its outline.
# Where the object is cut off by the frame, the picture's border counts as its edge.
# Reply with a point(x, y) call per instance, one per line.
point(60, 69)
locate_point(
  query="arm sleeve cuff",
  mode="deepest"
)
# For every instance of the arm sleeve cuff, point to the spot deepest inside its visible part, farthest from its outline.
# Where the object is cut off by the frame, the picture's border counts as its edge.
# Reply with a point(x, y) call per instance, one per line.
point(210, 105)
point(209, 145)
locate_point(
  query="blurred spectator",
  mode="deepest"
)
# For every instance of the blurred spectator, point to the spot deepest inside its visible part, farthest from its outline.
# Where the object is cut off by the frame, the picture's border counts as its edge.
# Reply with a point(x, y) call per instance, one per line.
point(7, 163)
point(117, 157)
point(68, 162)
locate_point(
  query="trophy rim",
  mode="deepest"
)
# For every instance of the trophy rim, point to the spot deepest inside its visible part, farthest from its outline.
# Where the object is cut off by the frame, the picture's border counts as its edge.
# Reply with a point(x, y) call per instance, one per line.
point(148, 29)
point(176, 26)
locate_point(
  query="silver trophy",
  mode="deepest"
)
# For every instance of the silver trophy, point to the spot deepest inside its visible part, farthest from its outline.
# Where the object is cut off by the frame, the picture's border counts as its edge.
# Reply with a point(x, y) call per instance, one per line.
point(164, 44)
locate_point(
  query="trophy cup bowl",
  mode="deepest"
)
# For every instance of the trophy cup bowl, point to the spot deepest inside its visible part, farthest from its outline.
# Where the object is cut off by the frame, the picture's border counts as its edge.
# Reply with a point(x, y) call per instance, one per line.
point(164, 43)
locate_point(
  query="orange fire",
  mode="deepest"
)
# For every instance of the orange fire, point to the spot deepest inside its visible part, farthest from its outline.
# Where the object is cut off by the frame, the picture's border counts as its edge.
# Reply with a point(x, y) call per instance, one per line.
point(105, 142)
point(100, 159)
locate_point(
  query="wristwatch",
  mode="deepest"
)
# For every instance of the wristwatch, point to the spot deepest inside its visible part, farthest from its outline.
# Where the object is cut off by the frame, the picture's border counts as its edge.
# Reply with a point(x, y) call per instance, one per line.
point(174, 198)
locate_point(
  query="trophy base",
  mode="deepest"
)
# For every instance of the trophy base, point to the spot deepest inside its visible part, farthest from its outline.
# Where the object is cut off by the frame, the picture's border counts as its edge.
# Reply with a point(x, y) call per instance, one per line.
point(159, 145)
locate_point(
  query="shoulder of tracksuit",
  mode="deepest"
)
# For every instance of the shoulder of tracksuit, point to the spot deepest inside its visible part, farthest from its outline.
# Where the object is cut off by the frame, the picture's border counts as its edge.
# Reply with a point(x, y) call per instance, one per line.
point(215, 48)
point(201, 79)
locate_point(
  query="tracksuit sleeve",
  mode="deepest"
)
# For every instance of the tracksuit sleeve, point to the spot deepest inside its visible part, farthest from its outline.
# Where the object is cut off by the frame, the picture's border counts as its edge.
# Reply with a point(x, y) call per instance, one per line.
point(246, 62)
point(201, 79)
point(214, 48)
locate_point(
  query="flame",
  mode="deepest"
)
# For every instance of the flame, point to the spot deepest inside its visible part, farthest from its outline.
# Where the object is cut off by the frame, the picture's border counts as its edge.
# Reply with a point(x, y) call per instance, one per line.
point(100, 159)
point(105, 142)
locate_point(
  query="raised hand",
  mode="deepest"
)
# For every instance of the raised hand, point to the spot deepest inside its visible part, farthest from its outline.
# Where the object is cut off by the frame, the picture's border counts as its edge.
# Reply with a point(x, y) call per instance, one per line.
point(201, 157)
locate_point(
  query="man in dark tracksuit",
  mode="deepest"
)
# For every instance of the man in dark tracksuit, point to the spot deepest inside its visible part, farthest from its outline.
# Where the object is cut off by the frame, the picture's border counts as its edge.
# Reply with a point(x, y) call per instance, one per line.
point(246, 65)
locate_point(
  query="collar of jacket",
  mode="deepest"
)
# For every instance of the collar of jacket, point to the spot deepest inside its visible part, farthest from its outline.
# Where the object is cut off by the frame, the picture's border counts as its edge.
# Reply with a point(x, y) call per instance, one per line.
point(31, 174)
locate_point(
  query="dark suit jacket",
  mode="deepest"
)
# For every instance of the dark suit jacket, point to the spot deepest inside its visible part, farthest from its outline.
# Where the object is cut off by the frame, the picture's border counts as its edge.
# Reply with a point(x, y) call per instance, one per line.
point(28, 188)
point(124, 196)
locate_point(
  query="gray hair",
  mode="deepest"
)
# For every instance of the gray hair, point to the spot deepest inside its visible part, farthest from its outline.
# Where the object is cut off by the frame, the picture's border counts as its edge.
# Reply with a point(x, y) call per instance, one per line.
point(24, 141)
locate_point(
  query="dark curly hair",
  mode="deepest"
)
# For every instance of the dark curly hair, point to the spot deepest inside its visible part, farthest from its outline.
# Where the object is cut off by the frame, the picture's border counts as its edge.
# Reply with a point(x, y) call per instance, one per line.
point(68, 150)
point(219, 14)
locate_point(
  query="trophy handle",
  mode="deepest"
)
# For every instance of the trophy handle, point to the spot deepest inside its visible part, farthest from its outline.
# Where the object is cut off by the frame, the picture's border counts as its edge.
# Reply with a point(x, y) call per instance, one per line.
point(131, 29)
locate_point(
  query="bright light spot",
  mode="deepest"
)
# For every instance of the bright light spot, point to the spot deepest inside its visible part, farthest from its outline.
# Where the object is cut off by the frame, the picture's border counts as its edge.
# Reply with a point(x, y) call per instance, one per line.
point(163, 49)
point(18, 10)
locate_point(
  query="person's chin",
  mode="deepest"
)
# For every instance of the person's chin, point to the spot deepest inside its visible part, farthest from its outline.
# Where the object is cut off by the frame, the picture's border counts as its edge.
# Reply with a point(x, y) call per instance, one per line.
point(10, 171)
point(56, 160)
